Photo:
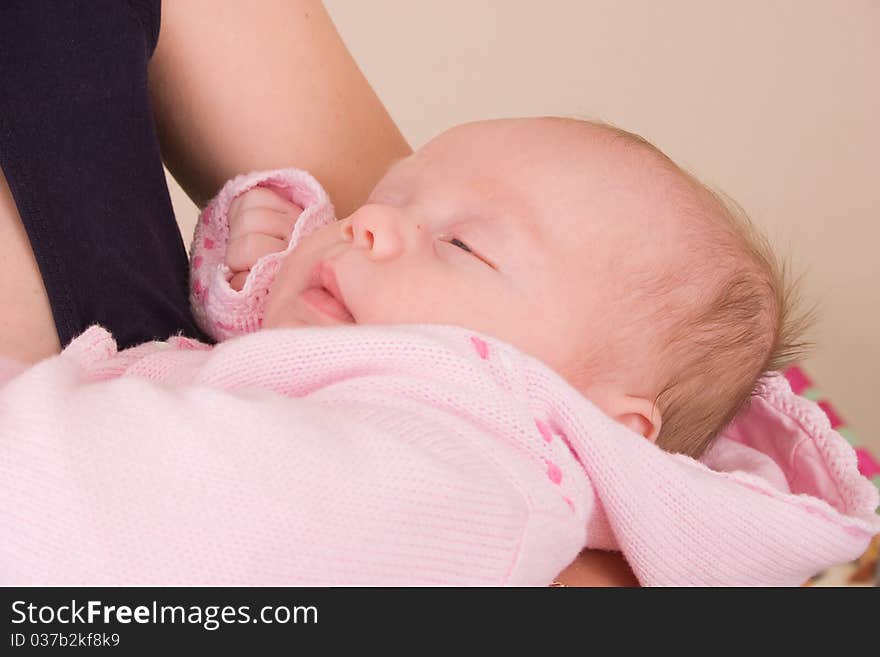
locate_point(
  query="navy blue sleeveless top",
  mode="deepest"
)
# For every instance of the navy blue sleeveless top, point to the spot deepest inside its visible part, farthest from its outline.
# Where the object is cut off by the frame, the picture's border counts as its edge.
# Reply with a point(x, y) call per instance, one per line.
point(79, 150)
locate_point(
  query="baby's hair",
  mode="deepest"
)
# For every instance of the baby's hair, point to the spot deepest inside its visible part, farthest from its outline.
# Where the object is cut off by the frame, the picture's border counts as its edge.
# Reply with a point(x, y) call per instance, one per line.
point(747, 321)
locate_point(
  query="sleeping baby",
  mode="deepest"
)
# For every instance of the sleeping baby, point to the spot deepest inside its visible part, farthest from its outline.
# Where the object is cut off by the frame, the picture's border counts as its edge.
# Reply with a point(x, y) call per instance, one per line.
point(581, 244)
point(537, 336)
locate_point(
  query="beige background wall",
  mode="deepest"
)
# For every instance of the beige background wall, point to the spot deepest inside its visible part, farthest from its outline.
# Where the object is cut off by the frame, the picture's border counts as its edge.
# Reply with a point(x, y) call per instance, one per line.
point(775, 102)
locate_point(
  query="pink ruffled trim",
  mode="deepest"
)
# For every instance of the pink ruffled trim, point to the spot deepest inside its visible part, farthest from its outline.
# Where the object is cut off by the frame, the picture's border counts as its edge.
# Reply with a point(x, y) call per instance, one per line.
point(857, 494)
point(823, 477)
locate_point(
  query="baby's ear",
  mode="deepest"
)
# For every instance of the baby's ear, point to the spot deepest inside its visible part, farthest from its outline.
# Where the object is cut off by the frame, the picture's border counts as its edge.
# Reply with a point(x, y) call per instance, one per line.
point(636, 413)
point(643, 421)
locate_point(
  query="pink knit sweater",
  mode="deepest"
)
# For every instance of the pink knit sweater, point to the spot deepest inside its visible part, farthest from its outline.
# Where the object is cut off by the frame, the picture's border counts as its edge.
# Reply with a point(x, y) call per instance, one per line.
point(412, 454)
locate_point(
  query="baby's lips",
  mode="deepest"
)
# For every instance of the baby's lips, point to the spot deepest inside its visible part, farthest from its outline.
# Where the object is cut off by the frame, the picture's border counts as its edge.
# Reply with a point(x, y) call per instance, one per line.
point(324, 276)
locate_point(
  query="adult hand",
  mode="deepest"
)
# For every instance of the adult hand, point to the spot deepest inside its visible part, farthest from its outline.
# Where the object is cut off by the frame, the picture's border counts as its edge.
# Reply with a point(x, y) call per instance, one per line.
point(598, 568)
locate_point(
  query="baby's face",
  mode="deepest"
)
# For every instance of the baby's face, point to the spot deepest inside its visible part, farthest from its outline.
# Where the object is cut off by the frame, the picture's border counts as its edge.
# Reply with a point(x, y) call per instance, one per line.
point(517, 228)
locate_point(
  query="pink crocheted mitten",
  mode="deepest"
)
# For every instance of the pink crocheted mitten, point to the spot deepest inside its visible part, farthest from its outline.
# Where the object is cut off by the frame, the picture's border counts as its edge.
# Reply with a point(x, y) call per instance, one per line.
point(219, 310)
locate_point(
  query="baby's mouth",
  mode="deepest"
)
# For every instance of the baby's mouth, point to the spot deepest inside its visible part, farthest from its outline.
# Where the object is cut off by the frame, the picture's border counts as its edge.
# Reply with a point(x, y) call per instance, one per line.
point(323, 293)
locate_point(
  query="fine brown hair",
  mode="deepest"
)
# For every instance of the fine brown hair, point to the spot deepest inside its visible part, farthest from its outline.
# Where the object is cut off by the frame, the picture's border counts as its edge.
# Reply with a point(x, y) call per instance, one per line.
point(723, 319)
point(747, 322)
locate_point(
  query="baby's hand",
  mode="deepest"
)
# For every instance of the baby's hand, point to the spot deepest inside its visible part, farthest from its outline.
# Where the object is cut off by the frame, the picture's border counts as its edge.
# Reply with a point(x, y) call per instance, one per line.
point(260, 222)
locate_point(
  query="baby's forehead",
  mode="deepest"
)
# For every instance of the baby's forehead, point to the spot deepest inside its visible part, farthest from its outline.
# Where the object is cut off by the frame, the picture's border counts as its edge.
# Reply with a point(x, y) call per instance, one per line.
point(548, 158)
point(565, 181)
point(496, 143)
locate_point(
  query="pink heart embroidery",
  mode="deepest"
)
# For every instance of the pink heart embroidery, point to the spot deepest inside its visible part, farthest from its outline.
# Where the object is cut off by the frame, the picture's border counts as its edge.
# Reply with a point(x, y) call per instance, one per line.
point(481, 347)
point(544, 429)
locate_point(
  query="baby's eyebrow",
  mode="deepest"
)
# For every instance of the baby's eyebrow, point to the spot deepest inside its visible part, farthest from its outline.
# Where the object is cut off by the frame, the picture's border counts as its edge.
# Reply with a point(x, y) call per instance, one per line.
point(510, 235)
point(513, 213)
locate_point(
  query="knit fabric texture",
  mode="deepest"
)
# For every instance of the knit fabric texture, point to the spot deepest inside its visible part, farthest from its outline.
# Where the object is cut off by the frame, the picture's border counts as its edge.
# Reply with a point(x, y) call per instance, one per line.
point(389, 455)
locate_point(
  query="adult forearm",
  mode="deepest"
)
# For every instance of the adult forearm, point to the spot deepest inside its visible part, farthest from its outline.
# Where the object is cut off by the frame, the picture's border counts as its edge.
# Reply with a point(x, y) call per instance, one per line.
point(243, 86)
point(27, 331)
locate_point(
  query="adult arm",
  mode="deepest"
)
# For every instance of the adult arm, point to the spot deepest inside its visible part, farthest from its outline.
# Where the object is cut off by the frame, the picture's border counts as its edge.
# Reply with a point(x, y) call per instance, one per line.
point(27, 331)
point(238, 87)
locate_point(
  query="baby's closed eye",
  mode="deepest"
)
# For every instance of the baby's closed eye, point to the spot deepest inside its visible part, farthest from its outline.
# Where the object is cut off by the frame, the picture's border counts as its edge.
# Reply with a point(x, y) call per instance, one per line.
point(464, 247)
point(457, 242)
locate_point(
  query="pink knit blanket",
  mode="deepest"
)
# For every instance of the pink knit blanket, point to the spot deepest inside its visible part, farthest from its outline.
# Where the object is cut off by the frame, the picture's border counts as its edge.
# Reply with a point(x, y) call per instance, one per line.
point(411, 454)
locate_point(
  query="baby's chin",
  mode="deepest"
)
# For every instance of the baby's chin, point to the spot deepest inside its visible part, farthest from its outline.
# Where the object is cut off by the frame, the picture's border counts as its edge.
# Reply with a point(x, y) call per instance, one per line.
point(291, 322)
point(292, 319)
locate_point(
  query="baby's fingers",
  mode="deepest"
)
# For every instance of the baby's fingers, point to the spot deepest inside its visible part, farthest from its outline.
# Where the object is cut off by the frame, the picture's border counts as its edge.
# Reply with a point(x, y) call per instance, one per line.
point(259, 197)
point(237, 281)
point(264, 220)
point(244, 251)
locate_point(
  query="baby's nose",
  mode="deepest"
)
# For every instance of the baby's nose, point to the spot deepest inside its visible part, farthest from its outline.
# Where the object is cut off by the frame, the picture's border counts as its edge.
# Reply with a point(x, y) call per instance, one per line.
point(375, 229)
